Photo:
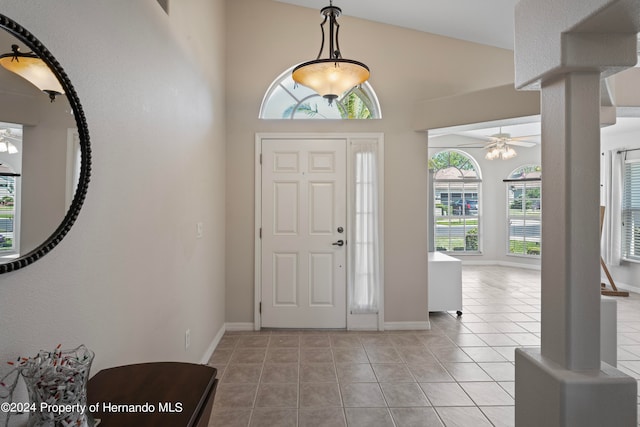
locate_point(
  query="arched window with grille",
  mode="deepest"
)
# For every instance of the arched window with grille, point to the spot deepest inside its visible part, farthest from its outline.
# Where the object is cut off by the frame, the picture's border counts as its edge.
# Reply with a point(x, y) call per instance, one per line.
point(456, 192)
point(285, 99)
point(524, 211)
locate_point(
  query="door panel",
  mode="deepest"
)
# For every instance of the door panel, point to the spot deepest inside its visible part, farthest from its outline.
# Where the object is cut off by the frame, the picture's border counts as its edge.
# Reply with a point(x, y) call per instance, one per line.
point(285, 208)
point(321, 279)
point(322, 198)
point(285, 279)
point(304, 203)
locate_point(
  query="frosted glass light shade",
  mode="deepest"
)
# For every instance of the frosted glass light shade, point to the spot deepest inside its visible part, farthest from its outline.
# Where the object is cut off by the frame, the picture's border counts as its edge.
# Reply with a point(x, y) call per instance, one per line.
point(34, 70)
point(502, 151)
point(331, 77)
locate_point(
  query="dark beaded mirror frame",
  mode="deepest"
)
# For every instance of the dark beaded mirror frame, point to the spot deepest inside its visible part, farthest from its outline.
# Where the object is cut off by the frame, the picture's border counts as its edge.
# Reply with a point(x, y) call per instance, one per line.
point(85, 150)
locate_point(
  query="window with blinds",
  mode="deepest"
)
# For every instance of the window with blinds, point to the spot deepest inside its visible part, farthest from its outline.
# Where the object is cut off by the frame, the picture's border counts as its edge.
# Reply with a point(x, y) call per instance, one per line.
point(524, 211)
point(7, 211)
point(631, 211)
point(456, 199)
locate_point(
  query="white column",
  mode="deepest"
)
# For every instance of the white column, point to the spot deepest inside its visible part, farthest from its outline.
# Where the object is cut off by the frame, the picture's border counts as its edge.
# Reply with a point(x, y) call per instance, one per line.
point(564, 48)
point(570, 228)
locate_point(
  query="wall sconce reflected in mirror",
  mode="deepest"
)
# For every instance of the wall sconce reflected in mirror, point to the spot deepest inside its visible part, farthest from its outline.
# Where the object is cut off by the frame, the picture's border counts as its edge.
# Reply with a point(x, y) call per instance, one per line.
point(6, 146)
point(33, 69)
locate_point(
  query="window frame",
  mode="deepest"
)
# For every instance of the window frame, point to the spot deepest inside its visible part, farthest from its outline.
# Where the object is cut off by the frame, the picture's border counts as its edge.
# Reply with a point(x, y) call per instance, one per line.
point(461, 184)
point(14, 250)
point(519, 175)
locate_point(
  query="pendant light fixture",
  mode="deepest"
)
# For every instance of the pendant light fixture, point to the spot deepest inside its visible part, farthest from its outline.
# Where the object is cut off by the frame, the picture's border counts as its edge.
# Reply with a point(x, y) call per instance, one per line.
point(334, 75)
point(33, 69)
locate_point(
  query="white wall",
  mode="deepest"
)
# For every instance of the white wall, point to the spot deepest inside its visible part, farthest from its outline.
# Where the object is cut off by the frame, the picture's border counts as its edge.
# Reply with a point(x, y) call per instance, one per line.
point(43, 154)
point(493, 204)
point(44, 171)
point(406, 67)
point(131, 277)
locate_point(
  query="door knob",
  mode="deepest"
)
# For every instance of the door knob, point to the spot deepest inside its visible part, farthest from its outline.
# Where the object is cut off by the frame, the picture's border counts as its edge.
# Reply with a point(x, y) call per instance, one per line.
point(338, 243)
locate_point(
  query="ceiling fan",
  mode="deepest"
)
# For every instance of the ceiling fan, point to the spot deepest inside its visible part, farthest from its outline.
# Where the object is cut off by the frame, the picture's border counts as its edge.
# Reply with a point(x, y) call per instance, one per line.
point(499, 145)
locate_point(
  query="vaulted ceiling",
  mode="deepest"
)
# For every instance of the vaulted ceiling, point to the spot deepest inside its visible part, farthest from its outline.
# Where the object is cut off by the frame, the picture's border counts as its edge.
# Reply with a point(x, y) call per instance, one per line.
point(487, 22)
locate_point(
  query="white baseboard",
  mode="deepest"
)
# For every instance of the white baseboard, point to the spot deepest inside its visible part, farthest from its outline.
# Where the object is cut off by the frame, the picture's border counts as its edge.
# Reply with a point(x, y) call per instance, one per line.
point(501, 264)
point(621, 285)
point(407, 326)
point(239, 326)
point(388, 326)
point(216, 340)
point(362, 322)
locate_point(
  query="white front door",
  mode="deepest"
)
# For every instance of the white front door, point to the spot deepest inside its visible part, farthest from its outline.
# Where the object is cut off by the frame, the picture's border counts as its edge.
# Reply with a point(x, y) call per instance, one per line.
point(304, 233)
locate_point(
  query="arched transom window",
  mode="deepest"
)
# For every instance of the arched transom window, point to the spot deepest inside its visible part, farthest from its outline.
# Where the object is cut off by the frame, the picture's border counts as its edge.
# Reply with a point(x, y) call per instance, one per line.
point(287, 100)
point(456, 192)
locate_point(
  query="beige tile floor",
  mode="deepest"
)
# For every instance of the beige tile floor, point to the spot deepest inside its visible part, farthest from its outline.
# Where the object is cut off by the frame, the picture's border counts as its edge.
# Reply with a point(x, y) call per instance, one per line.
point(459, 373)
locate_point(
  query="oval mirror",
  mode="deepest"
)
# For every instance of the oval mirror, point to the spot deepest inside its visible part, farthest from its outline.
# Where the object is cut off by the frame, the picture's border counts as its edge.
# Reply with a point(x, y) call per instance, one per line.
point(45, 157)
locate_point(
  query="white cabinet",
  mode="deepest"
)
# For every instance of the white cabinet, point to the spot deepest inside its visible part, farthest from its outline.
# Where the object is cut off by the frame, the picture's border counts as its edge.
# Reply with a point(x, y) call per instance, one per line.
point(445, 283)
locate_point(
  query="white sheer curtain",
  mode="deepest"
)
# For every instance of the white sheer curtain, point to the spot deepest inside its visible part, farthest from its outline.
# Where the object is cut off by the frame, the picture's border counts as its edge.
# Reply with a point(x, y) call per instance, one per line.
point(611, 244)
point(365, 272)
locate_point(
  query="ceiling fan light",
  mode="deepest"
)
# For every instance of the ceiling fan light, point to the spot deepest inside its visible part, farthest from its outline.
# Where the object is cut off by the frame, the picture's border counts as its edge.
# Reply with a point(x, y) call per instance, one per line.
point(509, 153)
point(501, 151)
point(3, 147)
point(12, 149)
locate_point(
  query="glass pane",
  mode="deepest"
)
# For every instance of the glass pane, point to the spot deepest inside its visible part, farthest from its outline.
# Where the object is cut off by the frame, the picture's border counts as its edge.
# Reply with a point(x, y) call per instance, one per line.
point(456, 203)
point(516, 246)
point(316, 107)
point(516, 198)
point(632, 186)
point(527, 172)
point(277, 104)
point(7, 212)
point(442, 200)
point(631, 211)
point(635, 246)
point(524, 221)
point(471, 235)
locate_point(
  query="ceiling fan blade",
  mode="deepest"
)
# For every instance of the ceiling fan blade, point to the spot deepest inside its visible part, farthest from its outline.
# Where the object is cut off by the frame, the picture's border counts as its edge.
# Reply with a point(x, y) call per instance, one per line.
point(534, 136)
point(478, 141)
point(473, 145)
point(456, 140)
point(529, 138)
point(491, 145)
point(527, 144)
